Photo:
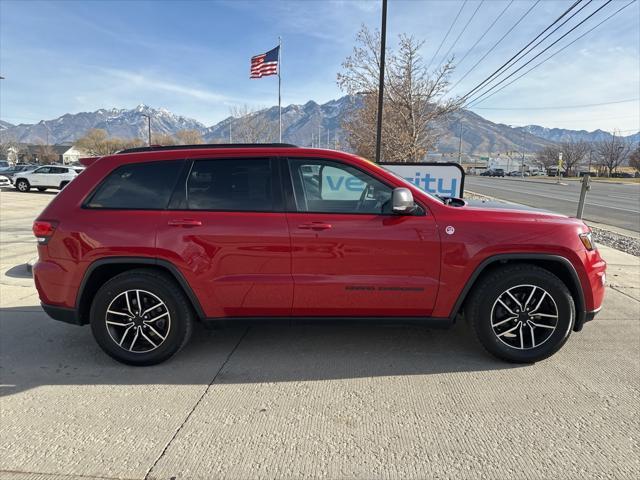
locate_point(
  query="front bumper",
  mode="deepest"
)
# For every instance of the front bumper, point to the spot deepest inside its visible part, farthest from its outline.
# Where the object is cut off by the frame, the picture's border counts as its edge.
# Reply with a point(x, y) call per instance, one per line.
point(585, 317)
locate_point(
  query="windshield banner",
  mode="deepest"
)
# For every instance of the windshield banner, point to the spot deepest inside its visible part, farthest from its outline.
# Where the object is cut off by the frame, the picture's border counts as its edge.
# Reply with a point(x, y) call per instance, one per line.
point(444, 179)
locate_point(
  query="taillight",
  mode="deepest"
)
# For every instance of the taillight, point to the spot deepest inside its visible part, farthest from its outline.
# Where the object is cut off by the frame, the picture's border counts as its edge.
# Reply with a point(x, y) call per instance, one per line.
point(43, 231)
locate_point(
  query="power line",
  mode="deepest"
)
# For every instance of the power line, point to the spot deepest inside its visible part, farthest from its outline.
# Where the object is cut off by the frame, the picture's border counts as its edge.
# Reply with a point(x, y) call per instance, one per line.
point(508, 64)
point(479, 98)
point(485, 32)
point(447, 34)
point(497, 43)
point(480, 95)
point(585, 105)
point(444, 57)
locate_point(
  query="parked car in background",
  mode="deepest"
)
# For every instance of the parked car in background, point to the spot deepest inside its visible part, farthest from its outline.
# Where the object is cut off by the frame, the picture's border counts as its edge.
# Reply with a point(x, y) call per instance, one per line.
point(4, 164)
point(150, 240)
point(12, 171)
point(497, 172)
point(4, 181)
point(47, 176)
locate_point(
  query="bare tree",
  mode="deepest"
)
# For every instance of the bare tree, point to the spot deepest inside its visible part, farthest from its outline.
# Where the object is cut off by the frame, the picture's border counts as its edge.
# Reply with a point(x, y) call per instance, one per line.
point(96, 142)
point(548, 156)
point(162, 139)
point(414, 98)
point(9, 149)
point(189, 137)
point(251, 126)
point(634, 159)
point(612, 153)
point(46, 154)
point(573, 153)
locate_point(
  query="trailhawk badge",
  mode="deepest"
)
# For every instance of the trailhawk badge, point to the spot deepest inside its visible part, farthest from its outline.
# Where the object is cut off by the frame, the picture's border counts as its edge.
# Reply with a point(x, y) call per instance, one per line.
point(450, 230)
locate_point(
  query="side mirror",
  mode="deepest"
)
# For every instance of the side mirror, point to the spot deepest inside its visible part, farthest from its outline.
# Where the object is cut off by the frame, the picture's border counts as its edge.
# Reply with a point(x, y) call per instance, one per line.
point(402, 201)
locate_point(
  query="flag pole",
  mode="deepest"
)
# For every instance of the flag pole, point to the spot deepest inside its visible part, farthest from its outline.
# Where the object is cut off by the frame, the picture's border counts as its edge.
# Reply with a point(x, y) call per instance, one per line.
point(279, 87)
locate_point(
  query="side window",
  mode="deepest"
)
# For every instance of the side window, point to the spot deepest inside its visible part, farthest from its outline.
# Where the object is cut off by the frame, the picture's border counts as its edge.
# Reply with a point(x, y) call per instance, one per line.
point(42, 170)
point(140, 186)
point(58, 170)
point(230, 184)
point(325, 186)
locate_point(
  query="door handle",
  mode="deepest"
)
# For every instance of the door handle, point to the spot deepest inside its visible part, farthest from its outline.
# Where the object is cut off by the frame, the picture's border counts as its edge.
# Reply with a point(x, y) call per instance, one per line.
point(185, 222)
point(315, 226)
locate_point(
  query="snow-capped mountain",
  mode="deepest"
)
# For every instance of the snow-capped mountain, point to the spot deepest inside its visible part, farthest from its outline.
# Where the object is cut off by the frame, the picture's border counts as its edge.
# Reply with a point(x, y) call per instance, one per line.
point(117, 122)
point(301, 124)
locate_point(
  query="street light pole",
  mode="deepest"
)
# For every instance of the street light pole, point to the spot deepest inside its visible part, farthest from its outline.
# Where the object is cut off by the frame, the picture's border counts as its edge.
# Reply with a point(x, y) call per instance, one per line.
point(383, 46)
point(460, 145)
point(148, 117)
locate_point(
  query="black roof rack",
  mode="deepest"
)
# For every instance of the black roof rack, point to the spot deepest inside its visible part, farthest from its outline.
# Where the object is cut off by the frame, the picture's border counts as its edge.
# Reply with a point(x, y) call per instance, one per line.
point(155, 148)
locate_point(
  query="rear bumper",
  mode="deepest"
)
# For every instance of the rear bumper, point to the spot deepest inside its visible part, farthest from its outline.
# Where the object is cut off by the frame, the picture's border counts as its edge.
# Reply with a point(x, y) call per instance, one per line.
point(62, 314)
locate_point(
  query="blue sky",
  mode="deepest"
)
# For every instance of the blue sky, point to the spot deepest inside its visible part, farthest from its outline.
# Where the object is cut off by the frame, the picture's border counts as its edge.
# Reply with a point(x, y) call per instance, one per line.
point(192, 57)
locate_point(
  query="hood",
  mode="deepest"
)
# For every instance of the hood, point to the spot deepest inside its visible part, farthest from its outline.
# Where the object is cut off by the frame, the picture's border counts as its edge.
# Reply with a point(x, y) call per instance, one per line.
point(496, 205)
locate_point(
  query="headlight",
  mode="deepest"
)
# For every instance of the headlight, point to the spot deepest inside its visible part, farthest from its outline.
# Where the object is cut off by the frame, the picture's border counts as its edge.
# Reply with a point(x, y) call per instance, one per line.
point(587, 241)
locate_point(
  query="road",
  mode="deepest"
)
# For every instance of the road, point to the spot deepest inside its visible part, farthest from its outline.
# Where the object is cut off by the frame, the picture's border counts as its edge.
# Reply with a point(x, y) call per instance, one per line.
point(607, 203)
point(311, 401)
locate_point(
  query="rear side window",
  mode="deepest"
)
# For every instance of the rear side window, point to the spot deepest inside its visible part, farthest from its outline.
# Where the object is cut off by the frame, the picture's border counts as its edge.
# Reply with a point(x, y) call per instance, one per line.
point(232, 185)
point(141, 186)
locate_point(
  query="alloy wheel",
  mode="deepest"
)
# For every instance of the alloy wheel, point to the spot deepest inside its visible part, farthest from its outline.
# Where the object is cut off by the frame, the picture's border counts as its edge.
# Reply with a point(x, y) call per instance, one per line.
point(138, 321)
point(524, 317)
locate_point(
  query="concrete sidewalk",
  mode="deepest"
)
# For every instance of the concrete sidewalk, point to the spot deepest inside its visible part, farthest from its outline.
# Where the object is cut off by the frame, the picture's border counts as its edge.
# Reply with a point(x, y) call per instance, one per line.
point(313, 401)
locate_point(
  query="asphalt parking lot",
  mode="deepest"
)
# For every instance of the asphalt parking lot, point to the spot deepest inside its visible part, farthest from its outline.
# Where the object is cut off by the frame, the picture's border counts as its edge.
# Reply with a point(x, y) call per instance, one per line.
point(312, 401)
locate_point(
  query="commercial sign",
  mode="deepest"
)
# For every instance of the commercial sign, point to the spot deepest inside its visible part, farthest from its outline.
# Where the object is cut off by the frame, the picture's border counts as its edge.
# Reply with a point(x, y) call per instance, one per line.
point(445, 179)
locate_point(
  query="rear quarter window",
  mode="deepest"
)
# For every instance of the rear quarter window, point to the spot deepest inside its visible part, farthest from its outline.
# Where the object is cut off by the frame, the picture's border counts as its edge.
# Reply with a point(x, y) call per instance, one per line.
point(139, 186)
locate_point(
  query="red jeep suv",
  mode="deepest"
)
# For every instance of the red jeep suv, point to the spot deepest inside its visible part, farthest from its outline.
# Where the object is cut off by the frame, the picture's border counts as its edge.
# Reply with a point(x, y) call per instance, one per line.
point(150, 240)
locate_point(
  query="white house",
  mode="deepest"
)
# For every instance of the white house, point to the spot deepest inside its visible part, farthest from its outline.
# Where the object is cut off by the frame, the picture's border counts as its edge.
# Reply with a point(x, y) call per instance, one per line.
point(73, 154)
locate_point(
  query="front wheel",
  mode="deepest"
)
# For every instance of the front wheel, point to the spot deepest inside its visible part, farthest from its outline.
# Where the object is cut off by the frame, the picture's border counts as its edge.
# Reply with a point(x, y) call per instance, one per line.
point(141, 317)
point(23, 185)
point(521, 313)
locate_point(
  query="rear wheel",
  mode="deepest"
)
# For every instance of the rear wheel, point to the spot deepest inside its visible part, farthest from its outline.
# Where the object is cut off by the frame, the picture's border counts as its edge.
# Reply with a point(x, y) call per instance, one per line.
point(63, 184)
point(22, 185)
point(141, 317)
point(521, 313)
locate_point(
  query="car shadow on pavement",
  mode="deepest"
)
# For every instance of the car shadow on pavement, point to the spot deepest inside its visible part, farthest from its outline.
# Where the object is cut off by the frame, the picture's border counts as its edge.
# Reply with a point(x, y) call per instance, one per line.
point(36, 351)
point(19, 271)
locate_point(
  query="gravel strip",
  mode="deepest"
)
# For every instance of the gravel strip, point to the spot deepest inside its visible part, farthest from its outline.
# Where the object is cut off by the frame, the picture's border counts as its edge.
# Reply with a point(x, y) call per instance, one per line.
point(616, 240)
point(602, 236)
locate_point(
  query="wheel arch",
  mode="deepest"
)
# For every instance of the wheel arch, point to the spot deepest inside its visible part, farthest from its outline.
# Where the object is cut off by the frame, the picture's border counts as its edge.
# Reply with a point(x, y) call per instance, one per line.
point(103, 270)
point(556, 264)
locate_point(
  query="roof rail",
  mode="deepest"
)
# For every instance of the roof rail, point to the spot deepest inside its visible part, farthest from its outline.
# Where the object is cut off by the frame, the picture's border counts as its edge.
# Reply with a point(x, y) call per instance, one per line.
point(155, 148)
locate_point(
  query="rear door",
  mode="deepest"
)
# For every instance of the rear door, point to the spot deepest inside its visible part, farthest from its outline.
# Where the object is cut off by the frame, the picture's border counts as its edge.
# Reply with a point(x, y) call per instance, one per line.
point(227, 232)
point(350, 255)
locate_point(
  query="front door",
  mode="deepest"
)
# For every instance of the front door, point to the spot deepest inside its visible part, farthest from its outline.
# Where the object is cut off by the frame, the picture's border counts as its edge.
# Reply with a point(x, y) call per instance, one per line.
point(227, 232)
point(40, 176)
point(351, 256)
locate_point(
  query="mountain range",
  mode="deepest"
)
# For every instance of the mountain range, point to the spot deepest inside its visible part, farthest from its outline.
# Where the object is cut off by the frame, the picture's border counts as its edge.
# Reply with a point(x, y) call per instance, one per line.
point(302, 124)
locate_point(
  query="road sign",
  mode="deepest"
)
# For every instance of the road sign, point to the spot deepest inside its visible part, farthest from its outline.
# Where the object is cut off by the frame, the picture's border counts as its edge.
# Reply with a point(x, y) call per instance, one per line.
point(445, 179)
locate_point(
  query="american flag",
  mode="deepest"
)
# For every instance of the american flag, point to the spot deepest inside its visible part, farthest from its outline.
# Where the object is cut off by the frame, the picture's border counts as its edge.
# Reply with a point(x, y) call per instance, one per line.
point(265, 64)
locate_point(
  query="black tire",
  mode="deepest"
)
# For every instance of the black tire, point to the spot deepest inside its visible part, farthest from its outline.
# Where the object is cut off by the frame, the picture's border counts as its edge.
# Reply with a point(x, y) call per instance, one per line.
point(159, 285)
point(514, 346)
point(42, 189)
point(23, 185)
point(63, 184)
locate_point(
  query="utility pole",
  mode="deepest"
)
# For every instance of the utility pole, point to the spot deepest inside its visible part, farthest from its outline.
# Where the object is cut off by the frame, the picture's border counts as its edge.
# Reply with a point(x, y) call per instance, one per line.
point(383, 46)
point(148, 117)
point(460, 145)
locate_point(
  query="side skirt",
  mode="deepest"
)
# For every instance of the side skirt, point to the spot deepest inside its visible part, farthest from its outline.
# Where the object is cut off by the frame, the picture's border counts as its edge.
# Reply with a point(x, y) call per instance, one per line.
point(428, 322)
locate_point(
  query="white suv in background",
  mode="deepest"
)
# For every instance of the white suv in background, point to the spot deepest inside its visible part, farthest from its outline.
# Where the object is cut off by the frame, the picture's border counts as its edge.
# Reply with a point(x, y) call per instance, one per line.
point(48, 176)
